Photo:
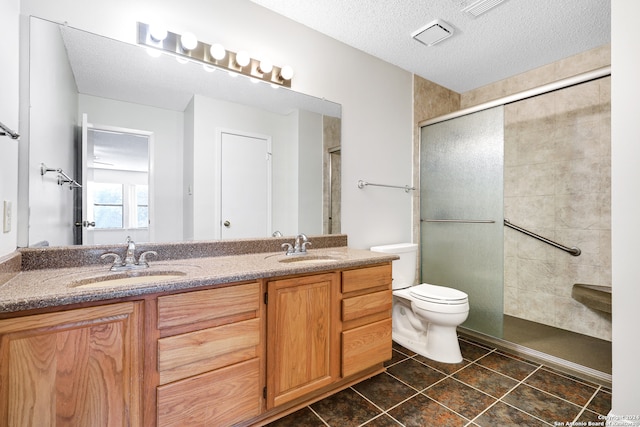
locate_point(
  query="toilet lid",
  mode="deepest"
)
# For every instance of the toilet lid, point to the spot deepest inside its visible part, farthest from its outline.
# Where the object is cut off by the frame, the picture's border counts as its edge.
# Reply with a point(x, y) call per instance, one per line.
point(441, 294)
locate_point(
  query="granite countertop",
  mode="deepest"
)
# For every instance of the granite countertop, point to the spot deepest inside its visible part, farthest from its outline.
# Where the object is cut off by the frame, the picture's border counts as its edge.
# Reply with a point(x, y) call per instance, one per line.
point(50, 287)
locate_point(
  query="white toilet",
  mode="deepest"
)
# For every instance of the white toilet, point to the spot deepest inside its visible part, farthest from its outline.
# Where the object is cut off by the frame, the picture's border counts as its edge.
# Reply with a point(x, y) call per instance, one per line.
point(425, 316)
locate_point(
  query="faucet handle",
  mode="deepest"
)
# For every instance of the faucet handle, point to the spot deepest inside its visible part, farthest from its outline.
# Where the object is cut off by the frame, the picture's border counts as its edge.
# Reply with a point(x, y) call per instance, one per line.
point(305, 243)
point(287, 247)
point(117, 259)
point(142, 260)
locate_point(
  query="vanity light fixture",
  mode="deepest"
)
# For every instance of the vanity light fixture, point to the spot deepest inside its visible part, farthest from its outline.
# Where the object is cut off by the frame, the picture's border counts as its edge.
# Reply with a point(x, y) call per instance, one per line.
point(158, 33)
point(217, 52)
point(189, 41)
point(187, 46)
point(286, 72)
point(265, 66)
point(242, 58)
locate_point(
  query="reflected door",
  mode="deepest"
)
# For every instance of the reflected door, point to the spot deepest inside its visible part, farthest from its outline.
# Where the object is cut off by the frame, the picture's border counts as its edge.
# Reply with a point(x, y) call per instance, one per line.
point(461, 209)
point(116, 196)
point(245, 186)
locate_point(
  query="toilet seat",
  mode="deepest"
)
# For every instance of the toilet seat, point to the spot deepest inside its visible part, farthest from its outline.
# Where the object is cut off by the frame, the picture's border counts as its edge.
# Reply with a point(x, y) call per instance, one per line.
point(438, 294)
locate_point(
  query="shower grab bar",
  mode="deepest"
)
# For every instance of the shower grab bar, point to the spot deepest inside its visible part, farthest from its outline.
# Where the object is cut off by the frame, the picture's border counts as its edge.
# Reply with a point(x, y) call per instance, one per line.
point(461, 221)
point(5, 130)
point(406, 188)
point(573, 250)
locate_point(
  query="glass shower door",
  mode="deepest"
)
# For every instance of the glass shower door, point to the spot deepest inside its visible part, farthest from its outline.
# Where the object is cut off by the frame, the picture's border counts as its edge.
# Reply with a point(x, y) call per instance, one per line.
point(461, 210)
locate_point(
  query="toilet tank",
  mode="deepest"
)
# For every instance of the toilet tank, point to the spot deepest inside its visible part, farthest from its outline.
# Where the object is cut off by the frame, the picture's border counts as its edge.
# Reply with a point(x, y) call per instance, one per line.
point(404, 269)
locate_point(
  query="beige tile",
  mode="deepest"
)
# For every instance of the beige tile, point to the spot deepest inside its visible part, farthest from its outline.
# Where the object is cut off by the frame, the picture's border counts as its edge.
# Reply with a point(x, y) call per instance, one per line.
point(539, 307)
point(533, 212)
point(576, 317)
point(511, 306)
point(582, 62)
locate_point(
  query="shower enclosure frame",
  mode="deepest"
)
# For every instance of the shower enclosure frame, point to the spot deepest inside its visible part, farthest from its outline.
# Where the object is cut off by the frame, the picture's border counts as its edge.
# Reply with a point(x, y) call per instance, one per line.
point(550, 360)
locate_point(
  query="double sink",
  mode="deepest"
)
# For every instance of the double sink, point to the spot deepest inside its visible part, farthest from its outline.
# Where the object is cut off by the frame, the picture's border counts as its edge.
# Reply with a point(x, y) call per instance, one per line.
point(156, 273)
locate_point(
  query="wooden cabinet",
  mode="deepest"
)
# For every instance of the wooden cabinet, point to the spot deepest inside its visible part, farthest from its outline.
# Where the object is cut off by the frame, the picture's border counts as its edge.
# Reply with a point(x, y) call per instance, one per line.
point(75, 368)
point(366, 316)
point(238, 354)
point(209, 356)
point(303, 336)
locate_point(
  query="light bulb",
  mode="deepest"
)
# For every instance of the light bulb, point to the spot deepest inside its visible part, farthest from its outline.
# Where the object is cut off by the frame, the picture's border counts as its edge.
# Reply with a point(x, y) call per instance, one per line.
point(266, 66)
point(242, 58)
point(157, 32)
point(217, 51)
point(286, 72)
point(189, 41)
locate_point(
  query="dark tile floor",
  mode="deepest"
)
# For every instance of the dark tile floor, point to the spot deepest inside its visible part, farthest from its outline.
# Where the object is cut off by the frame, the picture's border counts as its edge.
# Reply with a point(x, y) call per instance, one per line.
point(488, 388)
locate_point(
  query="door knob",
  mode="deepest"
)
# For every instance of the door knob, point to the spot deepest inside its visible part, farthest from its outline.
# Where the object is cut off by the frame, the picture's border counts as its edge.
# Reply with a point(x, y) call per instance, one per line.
point(226, 223)
point(86, 224)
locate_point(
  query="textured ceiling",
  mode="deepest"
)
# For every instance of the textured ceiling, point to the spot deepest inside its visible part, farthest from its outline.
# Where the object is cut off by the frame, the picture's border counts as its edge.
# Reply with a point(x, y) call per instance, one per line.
point(514, 37)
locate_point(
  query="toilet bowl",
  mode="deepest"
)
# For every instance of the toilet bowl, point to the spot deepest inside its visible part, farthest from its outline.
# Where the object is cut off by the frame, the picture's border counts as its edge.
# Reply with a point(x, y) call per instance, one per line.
point(425, 316)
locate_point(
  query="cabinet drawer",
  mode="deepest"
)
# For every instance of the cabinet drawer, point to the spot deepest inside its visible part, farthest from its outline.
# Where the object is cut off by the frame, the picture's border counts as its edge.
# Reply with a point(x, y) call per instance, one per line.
point(219, 398)
point(185, 355)
point(365, 305)
point(366, 346)
point(364, 278)
point(210, 304)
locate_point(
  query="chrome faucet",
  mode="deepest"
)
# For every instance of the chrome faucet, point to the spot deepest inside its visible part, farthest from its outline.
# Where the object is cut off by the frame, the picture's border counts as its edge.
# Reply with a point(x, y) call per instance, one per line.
point(130, 258)
point(129, 262)
point(299, 245)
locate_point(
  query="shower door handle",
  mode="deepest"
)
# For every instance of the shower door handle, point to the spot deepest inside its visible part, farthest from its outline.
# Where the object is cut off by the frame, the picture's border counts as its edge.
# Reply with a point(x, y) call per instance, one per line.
point(461, 221)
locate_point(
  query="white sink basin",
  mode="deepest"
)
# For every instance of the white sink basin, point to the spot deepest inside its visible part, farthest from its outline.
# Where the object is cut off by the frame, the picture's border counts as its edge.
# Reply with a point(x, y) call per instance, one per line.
point(126, 278)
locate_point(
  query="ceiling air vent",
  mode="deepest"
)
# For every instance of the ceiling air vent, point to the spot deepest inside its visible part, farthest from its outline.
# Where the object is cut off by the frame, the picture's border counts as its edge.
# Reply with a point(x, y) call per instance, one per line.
point(434, 32)
point(479, 7)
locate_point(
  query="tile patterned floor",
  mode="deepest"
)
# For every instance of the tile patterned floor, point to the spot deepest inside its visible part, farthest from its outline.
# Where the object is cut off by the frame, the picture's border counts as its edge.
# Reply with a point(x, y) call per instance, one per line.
point(488, 388)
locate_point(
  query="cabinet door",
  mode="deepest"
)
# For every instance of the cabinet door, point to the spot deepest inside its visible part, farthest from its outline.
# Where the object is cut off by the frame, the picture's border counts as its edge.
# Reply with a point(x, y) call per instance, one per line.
point(303, 336)
point(73, 368)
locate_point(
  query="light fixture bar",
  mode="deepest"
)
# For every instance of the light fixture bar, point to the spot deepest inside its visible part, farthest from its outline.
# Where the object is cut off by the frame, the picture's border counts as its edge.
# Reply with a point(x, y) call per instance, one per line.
point(201, 53)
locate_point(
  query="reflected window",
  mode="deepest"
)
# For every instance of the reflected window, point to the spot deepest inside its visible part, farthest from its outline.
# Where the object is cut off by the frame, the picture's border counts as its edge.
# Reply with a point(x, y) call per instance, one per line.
point(142, 206)
point(108, 206)
point(118, 206)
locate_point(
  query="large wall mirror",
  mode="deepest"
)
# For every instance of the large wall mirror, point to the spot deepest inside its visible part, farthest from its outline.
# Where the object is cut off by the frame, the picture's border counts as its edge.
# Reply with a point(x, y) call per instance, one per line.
point(166, 150)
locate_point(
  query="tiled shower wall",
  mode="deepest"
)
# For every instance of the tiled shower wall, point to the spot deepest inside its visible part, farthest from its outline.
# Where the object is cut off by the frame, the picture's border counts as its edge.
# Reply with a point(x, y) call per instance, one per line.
point(557, 182)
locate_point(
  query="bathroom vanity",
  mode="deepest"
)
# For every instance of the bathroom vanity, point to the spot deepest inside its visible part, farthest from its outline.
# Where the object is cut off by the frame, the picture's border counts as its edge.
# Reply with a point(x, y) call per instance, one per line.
point(238, 339)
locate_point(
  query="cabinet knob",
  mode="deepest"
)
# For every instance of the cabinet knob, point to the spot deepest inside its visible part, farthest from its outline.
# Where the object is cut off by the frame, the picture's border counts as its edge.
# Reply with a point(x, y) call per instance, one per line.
point(226, 223)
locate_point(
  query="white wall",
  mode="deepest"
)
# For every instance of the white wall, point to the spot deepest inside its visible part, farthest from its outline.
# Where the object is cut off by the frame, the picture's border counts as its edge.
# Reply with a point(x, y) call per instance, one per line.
point(625, 204)
point(376, 97)
point(9, 83)
point(166, 155)
point(187, 171)
point(209, 117)
point(310, 152)
point(53, 106)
